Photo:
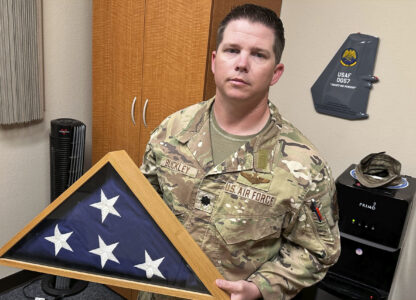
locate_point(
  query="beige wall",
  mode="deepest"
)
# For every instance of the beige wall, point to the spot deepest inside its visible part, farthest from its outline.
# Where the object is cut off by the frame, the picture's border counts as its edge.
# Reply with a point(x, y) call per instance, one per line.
point(315, 30)
point(24, 150)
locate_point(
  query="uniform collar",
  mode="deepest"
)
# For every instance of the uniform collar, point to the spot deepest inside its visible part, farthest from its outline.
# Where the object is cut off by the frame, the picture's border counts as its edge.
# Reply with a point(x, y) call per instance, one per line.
point(195, 125)
point(259, 151)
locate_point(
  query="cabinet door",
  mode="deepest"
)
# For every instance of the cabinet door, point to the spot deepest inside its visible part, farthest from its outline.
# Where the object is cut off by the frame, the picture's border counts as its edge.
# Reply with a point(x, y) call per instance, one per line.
point(175, 55)
point(117, 73)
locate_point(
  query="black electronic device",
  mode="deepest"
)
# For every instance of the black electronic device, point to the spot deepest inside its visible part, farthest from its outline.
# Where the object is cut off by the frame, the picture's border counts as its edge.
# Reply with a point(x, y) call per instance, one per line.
point(366, 266)
point(375, 214)
point(372, 225)
point(343, 288)
point(67, 149)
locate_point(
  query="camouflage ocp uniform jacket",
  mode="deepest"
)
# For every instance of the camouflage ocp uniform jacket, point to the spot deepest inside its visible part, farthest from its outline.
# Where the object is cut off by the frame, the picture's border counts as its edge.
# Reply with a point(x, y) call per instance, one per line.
point(253, 214)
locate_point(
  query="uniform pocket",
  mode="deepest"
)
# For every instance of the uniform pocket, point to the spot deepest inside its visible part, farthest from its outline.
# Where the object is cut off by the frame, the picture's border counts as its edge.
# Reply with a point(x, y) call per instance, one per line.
point(235, 230)
point(247, 242)
point(322, 226)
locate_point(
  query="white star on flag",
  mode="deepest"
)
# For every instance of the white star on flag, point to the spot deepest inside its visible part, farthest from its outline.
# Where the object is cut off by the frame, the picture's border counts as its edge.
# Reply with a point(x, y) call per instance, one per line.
point(106, 206)
point(105, 252)
point(59, 240)
point(151, 266)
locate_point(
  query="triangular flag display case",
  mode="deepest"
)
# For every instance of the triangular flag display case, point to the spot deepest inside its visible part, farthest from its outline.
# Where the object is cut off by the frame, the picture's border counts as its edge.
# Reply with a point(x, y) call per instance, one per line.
point(113, 228)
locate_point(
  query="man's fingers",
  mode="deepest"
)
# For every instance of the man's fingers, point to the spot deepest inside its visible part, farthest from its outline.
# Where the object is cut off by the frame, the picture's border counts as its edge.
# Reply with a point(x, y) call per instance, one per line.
point(239, 290)
point(222, 284)
point(229, 286)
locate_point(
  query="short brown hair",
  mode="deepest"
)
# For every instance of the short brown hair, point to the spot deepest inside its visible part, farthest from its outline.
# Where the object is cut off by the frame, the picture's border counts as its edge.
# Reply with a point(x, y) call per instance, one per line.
point(259, 14)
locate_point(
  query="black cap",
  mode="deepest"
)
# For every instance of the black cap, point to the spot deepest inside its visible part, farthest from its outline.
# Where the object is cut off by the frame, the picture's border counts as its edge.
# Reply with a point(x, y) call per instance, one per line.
point(378, 169)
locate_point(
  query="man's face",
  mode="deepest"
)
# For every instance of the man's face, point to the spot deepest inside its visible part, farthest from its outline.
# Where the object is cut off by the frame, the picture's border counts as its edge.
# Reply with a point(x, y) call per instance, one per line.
point(244, 65)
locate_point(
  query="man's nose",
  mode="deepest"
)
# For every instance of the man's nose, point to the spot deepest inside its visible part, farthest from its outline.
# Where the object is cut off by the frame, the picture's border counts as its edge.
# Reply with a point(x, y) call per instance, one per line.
point(242, 64)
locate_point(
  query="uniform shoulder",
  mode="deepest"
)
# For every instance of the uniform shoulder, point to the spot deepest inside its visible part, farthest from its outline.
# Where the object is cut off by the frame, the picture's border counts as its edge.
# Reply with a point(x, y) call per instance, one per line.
point(298, 155)
point(292, 134)
point(180, 119)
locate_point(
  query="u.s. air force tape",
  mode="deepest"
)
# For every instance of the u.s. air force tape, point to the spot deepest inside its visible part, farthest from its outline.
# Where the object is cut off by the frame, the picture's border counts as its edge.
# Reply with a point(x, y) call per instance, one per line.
point(249, 193)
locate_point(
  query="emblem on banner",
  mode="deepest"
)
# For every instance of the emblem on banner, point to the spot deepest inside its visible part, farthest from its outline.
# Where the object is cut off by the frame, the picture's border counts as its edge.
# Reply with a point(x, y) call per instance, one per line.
point(349, 57)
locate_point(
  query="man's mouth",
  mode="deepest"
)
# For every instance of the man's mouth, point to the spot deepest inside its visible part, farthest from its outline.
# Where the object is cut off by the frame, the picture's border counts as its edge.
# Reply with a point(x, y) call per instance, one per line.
point(238, 80)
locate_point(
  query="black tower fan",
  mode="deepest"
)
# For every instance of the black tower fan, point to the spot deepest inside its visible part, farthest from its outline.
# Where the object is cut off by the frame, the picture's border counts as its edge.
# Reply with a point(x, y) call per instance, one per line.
point(67, 148)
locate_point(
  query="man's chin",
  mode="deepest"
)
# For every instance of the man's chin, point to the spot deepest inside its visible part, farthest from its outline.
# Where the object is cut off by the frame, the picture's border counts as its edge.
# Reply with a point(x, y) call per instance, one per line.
point(237, 96)
point(237, 99)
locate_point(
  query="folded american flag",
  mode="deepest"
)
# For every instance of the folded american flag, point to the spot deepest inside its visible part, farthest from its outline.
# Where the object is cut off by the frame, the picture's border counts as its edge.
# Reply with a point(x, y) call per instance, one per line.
point(103, 229)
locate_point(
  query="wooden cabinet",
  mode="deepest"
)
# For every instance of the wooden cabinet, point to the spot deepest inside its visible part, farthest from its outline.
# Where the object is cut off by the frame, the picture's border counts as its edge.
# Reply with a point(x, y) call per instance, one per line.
point(150, 59)
point(117, 73)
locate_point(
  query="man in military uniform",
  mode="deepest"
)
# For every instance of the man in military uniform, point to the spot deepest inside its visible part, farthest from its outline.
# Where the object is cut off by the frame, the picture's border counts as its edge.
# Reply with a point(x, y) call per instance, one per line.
point(249, 187)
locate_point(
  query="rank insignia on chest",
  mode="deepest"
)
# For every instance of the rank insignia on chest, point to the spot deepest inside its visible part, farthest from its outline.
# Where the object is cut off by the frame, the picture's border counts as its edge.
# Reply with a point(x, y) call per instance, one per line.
point(204, 201)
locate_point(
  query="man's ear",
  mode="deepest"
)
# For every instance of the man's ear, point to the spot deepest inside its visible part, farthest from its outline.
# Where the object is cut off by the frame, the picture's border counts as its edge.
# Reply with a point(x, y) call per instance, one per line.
point(277, 72)
point(214, 53)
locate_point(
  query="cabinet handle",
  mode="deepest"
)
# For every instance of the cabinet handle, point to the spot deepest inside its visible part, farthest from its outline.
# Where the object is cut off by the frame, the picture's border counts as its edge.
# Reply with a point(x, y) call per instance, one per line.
point(132, 111)
point(144, 112)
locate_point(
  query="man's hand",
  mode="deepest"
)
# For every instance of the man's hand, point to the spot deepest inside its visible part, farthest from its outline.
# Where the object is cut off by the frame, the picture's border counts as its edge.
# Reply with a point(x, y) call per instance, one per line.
point(239, 290)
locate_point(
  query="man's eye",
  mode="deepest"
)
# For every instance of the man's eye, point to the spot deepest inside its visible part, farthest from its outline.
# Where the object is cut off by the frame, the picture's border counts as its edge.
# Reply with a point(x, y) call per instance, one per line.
point(231, 50)
point(260, 55)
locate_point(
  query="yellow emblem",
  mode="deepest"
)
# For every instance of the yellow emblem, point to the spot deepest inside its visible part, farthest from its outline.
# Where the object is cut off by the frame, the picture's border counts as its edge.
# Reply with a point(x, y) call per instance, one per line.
point(349, 58)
